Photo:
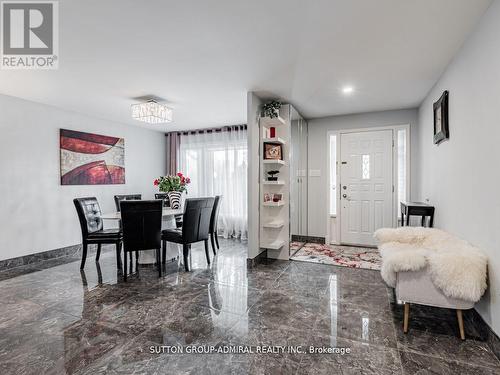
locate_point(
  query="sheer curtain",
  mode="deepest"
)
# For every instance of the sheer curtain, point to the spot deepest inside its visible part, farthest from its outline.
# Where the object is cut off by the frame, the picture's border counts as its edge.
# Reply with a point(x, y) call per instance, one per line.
point(216, 162)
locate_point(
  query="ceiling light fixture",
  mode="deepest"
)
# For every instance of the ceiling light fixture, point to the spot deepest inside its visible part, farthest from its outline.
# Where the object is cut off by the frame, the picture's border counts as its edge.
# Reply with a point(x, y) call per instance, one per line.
point(151, 112)
point(347, 90)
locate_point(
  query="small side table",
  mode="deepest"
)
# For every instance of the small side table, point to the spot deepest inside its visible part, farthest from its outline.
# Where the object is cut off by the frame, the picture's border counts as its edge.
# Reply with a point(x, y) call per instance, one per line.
point(417, 209)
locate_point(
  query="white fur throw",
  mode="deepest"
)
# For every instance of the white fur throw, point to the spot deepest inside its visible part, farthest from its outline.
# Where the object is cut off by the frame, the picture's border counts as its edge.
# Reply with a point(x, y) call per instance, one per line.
point(456, 267)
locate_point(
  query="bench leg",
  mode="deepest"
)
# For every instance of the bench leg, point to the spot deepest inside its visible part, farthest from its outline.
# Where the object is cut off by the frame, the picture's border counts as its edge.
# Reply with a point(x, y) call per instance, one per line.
point(406, 317)
point(461, 324)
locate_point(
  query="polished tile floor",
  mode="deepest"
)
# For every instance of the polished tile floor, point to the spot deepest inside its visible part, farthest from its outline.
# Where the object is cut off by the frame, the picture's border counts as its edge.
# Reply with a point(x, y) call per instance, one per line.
point(56, 320)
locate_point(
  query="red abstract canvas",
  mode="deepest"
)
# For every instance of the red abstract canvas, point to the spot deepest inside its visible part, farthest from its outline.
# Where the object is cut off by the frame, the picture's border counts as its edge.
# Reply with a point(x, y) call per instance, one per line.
point(91, 159)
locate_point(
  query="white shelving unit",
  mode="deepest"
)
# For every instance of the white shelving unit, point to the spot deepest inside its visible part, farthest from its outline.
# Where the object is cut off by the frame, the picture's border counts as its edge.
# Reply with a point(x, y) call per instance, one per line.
point(275, 216)
point(274, 162)
point(279, 182)
point(277, 224)
point(275, 245)
point(273, 204)
point(279, 140)
point(270, 122)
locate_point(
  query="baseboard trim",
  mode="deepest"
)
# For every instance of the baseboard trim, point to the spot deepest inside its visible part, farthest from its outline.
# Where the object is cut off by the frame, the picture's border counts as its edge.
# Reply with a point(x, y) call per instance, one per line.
point(253, 262)
point(74, 250)
point(485, 332)
point(309, 239)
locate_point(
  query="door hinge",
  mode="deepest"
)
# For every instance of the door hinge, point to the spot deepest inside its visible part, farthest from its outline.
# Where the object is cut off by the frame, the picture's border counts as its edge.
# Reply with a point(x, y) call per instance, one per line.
point(393, 143)
point(393, 188)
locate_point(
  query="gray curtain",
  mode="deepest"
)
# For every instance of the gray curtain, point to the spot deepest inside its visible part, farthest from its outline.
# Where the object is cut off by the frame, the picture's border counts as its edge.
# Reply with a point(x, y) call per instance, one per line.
point(173, 141)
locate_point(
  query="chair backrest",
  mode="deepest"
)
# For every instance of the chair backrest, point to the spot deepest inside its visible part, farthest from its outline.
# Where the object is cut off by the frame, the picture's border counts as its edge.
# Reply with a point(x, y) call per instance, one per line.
point(89, 215)
point(164, 197)
point(126, 197)
point(215, 214)
point(196, 219)
point(141, 222)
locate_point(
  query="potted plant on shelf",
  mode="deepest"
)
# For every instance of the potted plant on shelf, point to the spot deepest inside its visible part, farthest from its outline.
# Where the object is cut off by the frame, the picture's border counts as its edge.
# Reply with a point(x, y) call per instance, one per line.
point(174, 186)
point(271, 109)
point(272, 175)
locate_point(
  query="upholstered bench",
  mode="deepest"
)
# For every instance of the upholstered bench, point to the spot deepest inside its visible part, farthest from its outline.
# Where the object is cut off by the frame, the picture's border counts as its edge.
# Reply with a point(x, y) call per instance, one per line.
point(417, 287)
point(431, 267)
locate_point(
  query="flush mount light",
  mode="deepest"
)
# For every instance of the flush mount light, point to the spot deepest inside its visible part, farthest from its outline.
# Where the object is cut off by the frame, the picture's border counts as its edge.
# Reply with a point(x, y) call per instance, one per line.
point(347, 90)
point(151, 112)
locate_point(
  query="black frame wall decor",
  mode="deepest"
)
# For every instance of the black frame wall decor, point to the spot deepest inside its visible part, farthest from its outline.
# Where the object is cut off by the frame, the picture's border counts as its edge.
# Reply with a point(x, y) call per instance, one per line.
point(441, 126)
point(270, 145)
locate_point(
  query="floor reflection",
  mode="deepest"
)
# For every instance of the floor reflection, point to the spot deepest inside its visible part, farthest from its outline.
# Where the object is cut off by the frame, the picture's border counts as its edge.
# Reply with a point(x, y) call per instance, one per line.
point(333, 309)
point(55, 319)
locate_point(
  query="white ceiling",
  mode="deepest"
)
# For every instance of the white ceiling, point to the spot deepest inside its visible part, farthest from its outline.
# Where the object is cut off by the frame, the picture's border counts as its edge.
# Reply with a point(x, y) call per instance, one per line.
point(203, 56)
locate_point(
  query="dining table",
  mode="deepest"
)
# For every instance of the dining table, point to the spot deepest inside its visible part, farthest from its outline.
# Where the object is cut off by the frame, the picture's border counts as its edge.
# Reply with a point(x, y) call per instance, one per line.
point(168, 221)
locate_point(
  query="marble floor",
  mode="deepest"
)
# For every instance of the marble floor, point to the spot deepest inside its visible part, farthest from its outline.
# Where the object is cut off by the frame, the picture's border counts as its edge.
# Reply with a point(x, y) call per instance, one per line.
point(56, 320)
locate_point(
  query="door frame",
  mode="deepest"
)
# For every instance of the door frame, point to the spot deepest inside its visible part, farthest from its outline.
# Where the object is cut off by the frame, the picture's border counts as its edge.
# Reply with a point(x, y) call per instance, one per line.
point(395, 183)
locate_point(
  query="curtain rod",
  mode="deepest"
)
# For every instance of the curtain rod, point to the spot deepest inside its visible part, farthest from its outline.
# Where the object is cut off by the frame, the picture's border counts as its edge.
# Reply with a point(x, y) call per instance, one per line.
point(210, 130)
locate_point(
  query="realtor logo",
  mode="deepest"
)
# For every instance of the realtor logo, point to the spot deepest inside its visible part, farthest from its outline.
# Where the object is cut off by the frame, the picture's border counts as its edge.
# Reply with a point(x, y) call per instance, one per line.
point(29, 37)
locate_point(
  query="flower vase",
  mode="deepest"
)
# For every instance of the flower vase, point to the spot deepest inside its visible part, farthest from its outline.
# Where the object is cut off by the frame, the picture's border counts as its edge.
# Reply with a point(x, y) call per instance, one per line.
point(175, 199)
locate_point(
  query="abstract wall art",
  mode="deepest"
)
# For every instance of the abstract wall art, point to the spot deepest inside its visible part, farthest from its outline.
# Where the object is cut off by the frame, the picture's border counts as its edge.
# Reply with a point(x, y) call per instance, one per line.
point(91, 159)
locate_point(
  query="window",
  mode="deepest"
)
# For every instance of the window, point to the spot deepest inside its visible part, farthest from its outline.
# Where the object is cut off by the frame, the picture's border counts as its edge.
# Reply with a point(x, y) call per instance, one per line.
point(217, 165)
point(333, 175)
point(402, 136)
point(365, 167)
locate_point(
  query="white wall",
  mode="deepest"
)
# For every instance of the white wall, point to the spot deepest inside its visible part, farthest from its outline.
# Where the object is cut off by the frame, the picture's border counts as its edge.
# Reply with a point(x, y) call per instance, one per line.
point(318, 156)
point(253, 106)
point(37, 213)
point(461, 176)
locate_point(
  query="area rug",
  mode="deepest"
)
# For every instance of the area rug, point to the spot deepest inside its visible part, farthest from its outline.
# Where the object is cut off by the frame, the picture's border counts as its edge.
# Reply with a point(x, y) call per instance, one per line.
point(345, 256)
point(294, 245)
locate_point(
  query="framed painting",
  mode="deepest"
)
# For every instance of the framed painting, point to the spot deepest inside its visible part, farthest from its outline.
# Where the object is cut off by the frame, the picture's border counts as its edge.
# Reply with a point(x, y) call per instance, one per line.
point(441, 126)
point(91, 159)
point(273, 151)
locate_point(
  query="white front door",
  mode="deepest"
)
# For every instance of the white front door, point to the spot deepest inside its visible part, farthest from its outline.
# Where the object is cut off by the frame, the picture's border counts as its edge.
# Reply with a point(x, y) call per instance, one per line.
point(366, 185)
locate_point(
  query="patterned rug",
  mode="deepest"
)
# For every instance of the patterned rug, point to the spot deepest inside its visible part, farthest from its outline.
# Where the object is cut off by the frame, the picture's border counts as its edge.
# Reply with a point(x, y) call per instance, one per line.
point(294, 245)
point(345, 256)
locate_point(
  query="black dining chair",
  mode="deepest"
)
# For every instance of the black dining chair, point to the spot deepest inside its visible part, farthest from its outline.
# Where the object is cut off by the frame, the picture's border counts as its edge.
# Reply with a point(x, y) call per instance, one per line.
point(141, 222)
point(164, 198)
point(214, 218)
point(126, 197)
point(93, 232)
point(196, 223)
point(118, 200)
